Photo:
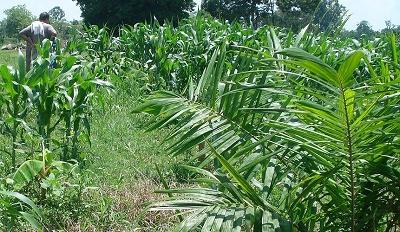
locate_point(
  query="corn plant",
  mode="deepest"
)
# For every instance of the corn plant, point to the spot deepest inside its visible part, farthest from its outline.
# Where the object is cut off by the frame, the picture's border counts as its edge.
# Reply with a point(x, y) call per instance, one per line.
point(63, 95)
point(15, 206)
point(47, 100)
point(166, 54)
point(46, 112)
point(15, 104)
point(98, 45)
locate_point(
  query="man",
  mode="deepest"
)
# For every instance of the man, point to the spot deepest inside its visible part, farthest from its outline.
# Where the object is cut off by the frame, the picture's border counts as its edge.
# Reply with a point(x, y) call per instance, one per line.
point(35, 34)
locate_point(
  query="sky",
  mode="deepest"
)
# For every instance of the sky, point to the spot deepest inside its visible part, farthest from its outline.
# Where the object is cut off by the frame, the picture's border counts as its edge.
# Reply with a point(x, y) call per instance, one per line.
point(376, 12)
point(70, 8)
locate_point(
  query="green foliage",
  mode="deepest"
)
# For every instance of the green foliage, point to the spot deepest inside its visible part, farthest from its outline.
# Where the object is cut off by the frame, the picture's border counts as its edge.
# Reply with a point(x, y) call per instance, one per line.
point(131, 12)
point(249, 11)
point(17, 18)
point(65, 197)
point(364, 29)
point(297, 10)
point(56, 186)
point(329, 15)
point(326, 14)
point(47, 108)
point(390, 27)
point(8, 58)
point(296, 132)
point(297, 142)
point(15, 206)
point(2, 31)
point(56, 13)
point(163, 56)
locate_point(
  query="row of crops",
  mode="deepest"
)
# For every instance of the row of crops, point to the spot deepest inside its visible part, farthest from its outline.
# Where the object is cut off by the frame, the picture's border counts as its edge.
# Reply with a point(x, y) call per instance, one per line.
point(287, 131)
point(45, 119)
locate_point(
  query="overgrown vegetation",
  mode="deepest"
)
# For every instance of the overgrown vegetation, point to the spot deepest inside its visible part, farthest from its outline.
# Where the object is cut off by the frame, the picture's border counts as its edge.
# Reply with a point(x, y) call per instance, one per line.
point(277, 131)
point(9, 57)
point(295, 141)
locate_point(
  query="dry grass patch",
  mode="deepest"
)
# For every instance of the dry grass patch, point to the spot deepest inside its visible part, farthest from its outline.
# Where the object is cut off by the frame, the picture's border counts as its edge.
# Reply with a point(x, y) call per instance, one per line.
point(133, 200)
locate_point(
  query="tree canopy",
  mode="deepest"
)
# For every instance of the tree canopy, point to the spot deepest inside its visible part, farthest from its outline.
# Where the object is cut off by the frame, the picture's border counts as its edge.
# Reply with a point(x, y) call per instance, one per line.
point(56, 13)
point(293, 14)
point(235, 10)
point(329, 14)
point(64, 28)
point(296, 14)
point(16, 19)
point(118, 12)
point(364, 29)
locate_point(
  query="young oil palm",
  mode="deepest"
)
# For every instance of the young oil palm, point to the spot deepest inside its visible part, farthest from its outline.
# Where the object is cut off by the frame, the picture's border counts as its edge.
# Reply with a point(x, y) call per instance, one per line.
point(299, 143)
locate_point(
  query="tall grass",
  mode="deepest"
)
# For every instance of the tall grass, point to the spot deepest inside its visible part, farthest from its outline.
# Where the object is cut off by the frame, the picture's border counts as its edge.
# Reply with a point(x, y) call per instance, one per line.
point(8, 57)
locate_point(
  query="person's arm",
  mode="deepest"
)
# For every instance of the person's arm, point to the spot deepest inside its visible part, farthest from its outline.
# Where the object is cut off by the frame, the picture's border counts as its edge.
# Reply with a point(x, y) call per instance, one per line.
point(24, 34)
point(52, 31)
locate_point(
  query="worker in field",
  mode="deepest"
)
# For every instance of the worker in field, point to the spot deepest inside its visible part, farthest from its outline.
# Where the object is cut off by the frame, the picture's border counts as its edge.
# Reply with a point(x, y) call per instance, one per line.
point(35, 34)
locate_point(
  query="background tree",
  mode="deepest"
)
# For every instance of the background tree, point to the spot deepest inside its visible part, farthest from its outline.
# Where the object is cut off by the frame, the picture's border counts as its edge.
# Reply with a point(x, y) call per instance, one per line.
point(269, 13)
point(16, 19)
point(236, 10)
point(2, 31)
point(390, 27)
point(62, 26)
point(364, 29)
point(328, 15)
point(296, 14)
point(56, 13)
point(216, 8)
point(117, 12)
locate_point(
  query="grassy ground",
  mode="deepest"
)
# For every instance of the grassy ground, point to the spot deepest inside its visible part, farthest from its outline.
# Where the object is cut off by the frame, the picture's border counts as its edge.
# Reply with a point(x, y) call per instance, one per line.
point(8, 57)
point(123, 159)
point(120, 145)
point(121, 163)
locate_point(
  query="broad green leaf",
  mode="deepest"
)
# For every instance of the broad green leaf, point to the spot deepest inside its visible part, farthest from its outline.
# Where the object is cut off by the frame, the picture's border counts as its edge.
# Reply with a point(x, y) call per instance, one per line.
point(347, 69)
point(240, 180)
point(8, 80)
point(32, 220)
point(21, 65)
point(346, 105)
point(303, 56)
point(26, 173)
point(23, 199)
point(68, 63)
point(300, 36)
